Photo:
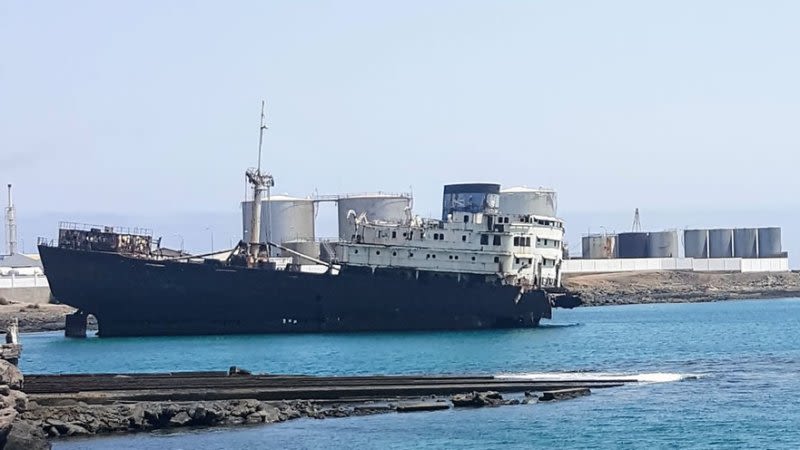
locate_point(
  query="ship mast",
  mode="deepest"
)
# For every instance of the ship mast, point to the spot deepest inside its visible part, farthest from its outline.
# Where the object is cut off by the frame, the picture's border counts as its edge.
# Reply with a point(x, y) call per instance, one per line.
point(261, 183)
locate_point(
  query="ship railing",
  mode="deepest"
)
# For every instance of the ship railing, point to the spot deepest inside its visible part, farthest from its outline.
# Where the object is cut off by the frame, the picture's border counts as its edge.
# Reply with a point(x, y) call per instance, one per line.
point(337, 197)
point(105, 228)
point(46, 242)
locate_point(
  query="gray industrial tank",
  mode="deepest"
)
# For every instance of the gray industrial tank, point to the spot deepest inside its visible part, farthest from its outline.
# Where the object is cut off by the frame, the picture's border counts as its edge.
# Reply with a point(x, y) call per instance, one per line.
point(599, 246)
point(695, 243)
point(633, 245)
point(663, 244)
point(288, 218)
point(769, 242)
point(745, 243)
point(720, 243)
point(377, 207)
point(306, 247)
point(523, 201)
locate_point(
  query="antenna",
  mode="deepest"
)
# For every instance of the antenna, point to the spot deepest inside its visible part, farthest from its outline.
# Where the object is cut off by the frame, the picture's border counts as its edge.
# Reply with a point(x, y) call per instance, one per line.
point(261, 133)
point(637, 223)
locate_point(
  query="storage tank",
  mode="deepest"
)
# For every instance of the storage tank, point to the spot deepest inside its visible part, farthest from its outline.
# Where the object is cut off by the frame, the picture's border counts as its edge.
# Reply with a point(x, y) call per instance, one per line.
point(745, 243)
point(695, 243)
point(523, 200)
point(663, 244)
point(470, 198)
point(599, 246)
point(769, 242)
point(720, 243)
point(633, 245)
point(378, 207)
point(306, 247)
point(291, 219)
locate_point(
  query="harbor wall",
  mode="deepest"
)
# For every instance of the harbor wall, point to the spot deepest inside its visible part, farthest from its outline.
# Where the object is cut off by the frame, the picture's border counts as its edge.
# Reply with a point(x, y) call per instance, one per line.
point(744, 265)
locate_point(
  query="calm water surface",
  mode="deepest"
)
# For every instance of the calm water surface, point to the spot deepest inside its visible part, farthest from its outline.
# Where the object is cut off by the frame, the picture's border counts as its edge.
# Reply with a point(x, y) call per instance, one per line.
point(729, 377)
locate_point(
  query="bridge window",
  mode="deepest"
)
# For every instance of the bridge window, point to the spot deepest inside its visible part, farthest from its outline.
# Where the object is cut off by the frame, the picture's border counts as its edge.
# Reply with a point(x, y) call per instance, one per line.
point(484, 239)
point(497, 259)
point(394, 234)
point(464, 238)
point(466, 218)
point(496, 240)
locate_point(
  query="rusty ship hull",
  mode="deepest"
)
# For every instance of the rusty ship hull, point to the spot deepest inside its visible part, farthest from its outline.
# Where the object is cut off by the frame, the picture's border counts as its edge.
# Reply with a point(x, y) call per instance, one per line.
point(134, 296)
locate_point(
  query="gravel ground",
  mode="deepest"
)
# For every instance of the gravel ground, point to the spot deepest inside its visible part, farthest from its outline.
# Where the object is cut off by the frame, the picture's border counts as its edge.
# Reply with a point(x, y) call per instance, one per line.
point(681, 287)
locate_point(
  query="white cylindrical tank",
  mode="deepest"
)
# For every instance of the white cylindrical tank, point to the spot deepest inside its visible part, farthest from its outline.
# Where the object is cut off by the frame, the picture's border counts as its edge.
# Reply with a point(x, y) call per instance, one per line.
point(695, 243)
point(720, 243)
point(599, 246)
point(769, 242)
point(306, 247)
point(523, 200)
point(289, 219)
point(377, 207)
point(745, 243)
point(663, 244)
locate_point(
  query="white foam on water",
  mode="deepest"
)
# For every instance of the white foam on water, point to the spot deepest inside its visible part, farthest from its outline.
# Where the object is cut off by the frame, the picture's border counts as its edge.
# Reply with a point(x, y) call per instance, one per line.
point(651, 377)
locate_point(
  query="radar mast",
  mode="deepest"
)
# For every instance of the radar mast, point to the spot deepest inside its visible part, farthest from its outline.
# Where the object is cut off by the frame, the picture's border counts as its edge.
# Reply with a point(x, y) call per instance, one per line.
point(261, 182)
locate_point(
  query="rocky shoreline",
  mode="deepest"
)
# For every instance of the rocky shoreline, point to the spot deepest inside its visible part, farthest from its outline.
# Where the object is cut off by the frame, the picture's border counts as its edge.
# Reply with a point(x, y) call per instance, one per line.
point(74, 419)
point(625, 288)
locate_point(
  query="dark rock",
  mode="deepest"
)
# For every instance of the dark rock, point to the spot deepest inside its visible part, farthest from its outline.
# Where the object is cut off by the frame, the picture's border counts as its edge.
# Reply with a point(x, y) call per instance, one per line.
point(198, 413)
point(4, 389)
point(10, 375)
point(238, 371)
point(564, 394)
point(15, 399)
point(136, 419)
point(244, 408)
point(256, 417)
point(475, 399)
point(75, 430)
point(180, 419)
point(25, 436)
point(271, 413)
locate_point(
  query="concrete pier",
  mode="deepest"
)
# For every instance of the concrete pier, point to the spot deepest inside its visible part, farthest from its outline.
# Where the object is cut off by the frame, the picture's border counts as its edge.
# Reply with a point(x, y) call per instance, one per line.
point(75, 325)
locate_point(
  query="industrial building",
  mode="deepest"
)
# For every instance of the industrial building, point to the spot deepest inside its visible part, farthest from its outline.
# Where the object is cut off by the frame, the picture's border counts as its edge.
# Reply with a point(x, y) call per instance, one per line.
point(718, 249)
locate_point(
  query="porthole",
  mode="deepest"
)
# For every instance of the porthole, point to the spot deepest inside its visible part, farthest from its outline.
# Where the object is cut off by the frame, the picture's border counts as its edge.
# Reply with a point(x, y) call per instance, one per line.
point(473, 258)
point(394, 253)
point(355, 251)
point(377, 252)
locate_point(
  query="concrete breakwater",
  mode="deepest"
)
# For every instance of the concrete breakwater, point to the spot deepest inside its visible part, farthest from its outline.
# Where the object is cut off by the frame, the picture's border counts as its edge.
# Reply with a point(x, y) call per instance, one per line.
point(79, 405)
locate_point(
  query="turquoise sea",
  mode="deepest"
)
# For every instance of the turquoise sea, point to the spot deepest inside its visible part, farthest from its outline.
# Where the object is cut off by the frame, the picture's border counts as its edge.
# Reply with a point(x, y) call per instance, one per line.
point(714, 375)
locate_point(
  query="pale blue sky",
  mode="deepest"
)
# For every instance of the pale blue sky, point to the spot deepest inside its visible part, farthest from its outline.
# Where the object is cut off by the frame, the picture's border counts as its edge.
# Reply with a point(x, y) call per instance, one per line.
point(150, 109)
